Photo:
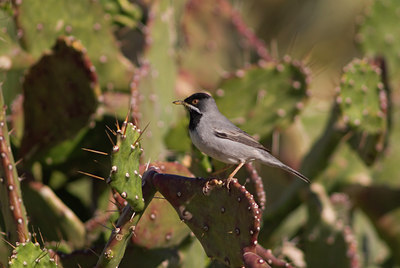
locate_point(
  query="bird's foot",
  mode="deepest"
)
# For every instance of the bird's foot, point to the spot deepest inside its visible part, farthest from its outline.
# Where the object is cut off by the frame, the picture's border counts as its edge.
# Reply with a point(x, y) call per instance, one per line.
point(228, 182)
point(211, 184)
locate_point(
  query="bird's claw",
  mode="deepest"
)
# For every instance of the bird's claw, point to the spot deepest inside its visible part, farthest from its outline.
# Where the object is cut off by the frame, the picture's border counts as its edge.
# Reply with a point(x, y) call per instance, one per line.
point(228, 182)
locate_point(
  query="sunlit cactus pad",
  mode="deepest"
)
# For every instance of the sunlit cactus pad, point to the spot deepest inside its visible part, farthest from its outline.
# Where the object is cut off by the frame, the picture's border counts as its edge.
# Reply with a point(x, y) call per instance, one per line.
point(226, 221)
point(264, 97)
point(60, 96)
point(30, 255)
point(124, 175)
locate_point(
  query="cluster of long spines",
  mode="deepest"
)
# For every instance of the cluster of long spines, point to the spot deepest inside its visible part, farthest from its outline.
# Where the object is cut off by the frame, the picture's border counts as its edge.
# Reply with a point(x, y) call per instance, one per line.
point(124, 175)
point(235, 214)
point(13, 209)
point(28, 254)
point(38, 32)
point(279, 87)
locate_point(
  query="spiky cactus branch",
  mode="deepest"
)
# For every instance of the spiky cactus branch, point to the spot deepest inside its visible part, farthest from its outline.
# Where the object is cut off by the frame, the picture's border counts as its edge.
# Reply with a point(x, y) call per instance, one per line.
point(13, 209)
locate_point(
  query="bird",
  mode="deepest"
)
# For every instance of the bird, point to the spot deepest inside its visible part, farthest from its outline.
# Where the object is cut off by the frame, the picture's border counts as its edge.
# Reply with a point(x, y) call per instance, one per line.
point(216, 136)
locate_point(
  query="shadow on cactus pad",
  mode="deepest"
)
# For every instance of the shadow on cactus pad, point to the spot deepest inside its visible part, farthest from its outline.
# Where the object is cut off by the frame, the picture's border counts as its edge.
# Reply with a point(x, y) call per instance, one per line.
point(60, 96)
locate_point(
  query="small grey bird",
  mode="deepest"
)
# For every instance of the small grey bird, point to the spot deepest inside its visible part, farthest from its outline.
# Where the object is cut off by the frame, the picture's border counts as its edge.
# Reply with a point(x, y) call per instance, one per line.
point(213, 134)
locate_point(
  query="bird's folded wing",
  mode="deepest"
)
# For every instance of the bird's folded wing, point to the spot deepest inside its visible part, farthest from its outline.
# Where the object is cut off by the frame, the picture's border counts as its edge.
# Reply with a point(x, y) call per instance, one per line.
point(239, 136)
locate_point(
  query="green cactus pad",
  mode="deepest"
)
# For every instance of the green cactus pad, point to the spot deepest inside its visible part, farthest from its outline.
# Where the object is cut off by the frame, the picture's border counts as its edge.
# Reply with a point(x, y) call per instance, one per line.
point(124, 176)
point(224, 220)
point(157, 86)
point(210, 42)
point(381, 205)
point(30, 255)
point(359, 96)
point(328, 240)
point(125, 227)
point(159, 226)
point(261, 99)
point(379, 34)
point(46, 209)
point(123, 12)
point(363, 102)
point(42, 22)
point(60, 96)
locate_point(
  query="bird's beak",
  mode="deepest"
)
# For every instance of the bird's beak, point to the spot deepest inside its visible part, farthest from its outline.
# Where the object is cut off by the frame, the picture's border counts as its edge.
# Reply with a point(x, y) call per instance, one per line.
point(187, 105)
point(181, 102)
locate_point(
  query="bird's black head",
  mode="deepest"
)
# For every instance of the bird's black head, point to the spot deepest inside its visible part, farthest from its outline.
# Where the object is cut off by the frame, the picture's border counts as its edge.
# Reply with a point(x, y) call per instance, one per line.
point(198, 100)
point(197, 104)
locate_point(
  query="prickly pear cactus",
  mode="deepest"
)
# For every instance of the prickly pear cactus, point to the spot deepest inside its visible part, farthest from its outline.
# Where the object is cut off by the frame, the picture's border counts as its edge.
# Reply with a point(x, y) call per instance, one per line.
point(159, 226)
point(64, 85)
point(265, 97)
point(13, 212)
point(226, 221)
point(124, 229)
point(40, 198)
point(378, 33)
point(363, 102)
point(41, 23)
point(123, 12)
point(210, 41)
point(328, 240)
point(124, 176)
point(157, 85)
point(30, 255)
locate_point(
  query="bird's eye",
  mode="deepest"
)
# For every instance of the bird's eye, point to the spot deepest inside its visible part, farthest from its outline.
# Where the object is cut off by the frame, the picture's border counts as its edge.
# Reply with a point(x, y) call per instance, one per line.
point(195, 101)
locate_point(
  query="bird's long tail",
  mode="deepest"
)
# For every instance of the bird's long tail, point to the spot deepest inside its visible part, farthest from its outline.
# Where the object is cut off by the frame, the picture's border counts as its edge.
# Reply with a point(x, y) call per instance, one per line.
point(270, 160)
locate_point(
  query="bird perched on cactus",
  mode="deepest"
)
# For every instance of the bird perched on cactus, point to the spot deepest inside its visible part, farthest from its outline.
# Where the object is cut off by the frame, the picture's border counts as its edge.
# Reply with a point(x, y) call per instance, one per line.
point(213, 134)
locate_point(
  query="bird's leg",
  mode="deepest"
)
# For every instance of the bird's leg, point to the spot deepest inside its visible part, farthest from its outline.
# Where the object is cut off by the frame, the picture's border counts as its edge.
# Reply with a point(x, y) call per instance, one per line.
point(228, 181)
point(221, 170)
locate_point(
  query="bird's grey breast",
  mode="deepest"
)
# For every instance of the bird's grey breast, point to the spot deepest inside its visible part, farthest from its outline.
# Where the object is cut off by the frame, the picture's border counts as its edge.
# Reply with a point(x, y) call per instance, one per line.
point(204, 138)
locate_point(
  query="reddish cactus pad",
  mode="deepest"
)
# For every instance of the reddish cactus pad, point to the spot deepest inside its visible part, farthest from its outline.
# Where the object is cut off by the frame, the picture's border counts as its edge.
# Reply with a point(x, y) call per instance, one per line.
point(224, 220)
